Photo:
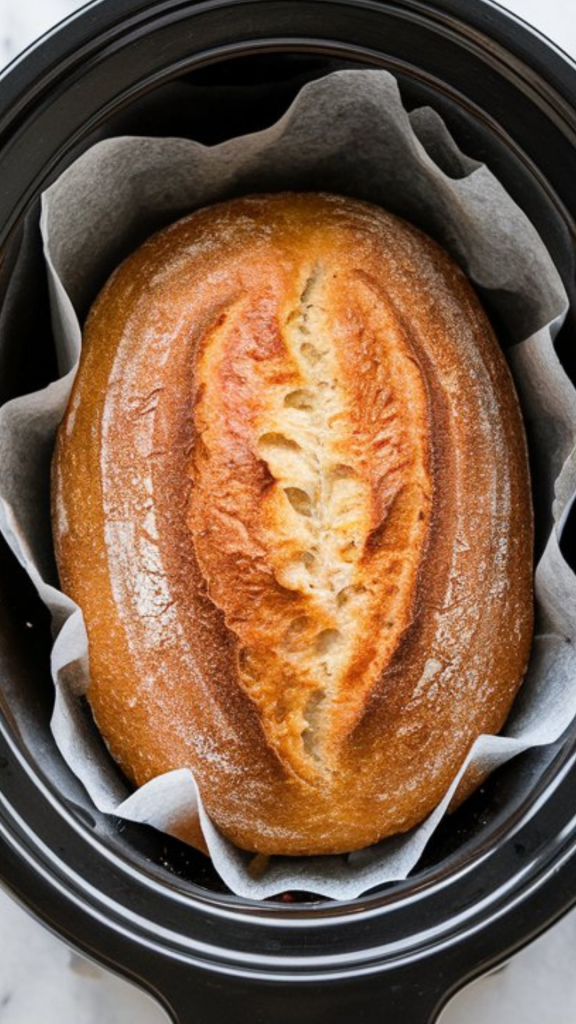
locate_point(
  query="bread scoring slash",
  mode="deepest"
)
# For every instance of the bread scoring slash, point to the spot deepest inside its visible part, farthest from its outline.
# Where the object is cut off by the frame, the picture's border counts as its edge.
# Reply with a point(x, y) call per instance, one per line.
point(291, 497)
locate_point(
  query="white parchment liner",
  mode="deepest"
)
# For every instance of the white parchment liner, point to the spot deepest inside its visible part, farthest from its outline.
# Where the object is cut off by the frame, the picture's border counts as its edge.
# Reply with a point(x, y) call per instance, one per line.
point(347, 133)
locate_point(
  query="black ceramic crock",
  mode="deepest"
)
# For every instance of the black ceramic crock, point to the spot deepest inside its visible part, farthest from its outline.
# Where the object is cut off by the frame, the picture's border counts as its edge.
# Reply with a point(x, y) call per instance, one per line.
point(504, 867)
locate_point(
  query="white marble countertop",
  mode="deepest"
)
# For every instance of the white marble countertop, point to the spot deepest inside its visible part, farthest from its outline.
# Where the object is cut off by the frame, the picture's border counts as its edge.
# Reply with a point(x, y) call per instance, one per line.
point(40, 980)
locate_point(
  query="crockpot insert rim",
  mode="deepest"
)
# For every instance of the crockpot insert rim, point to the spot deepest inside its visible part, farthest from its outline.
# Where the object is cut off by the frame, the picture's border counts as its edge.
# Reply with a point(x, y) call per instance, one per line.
point(234, 52)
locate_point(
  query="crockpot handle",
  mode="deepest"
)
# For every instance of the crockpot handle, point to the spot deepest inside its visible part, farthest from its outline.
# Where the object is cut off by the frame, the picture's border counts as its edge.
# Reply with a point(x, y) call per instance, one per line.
point(370, 999)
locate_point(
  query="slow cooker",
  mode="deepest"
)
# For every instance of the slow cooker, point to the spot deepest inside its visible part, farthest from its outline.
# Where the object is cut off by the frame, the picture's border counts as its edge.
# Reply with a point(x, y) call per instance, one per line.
point(501, 869)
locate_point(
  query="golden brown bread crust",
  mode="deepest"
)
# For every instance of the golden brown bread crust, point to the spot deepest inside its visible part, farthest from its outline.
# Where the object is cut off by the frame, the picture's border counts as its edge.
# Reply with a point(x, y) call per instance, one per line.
point(291, 497)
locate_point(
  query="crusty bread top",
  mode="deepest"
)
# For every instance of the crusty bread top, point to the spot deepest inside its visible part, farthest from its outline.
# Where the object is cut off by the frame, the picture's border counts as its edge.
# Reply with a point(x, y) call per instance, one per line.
point(291, 497)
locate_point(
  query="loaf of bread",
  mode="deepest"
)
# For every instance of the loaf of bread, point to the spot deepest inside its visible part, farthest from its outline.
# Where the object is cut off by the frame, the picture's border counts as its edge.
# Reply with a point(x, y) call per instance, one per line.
point(291, 497)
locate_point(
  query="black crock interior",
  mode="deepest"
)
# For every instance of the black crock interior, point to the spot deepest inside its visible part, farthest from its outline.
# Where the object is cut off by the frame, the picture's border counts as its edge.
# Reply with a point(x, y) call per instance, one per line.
point(497, 115)
point(214, 103)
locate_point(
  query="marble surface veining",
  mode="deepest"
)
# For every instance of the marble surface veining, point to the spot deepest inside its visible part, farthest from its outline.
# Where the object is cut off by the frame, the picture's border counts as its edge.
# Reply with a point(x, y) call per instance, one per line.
point(41, 980)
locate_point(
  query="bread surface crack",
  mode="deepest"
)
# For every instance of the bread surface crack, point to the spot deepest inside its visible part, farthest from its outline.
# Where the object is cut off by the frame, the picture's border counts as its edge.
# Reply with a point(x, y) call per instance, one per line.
point(324, 503)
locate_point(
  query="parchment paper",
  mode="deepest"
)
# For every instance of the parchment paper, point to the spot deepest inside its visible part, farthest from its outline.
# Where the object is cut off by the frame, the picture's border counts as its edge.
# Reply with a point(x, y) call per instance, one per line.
point(347, 133)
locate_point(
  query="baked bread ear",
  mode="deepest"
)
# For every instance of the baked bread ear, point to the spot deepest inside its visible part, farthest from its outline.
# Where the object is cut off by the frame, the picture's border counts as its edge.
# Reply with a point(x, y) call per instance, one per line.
point(291, 497)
